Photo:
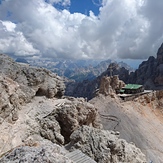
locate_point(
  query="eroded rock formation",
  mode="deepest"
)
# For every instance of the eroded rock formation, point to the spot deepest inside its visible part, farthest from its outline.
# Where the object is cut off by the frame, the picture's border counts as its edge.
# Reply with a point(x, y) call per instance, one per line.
point(88, 88)
point(110, 85)
point(104, 146)
point(150, 72)
point(32, 81)
point(11, 99)
point(41, 153)
point(66, 118)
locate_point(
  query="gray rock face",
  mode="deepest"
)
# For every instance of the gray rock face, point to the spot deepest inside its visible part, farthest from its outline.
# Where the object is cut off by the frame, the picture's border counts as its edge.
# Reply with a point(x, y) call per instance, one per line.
point(110, 85)
point(160, 55)
point(32, 81)
point(88, 88)
point(69, 116)
point(150, 72)
point(50, 129)
point(104, 146)
point(11, 98)
point(39, 154)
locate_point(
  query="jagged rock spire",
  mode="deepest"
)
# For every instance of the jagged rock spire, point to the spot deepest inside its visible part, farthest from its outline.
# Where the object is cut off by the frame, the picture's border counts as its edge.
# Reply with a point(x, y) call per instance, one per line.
point(160, 54)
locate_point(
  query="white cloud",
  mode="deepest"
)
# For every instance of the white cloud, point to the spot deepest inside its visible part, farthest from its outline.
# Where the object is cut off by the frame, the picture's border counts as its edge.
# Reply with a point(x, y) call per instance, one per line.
point(8, 25)
point(14, 42)
point(123, 28)
point(62, 2)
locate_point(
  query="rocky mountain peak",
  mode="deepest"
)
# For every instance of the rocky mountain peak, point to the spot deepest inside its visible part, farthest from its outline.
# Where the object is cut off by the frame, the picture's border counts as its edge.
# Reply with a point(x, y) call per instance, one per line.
point(150, 72)
point(160, 55)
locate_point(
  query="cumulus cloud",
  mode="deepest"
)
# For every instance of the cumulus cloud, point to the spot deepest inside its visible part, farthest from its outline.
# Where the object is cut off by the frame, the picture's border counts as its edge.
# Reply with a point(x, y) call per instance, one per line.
point(61, 2)
point(123, 29)
point(13, 42)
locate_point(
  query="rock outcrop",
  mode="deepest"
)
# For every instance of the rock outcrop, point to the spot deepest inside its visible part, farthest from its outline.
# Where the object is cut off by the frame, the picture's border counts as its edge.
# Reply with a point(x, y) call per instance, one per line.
point(110, 85)
point(33, 81)
point(11, 99)
point(41, 153)
point(154, 98)
point(50, 119)
point(87, 89)
point(150, 72)
point(20, 83)
point(104, 146)
point(66, 118)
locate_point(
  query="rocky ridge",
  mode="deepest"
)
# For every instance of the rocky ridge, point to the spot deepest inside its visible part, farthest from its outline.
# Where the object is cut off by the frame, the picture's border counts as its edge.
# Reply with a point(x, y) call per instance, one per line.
point(33, 81)
point(77, 70)
point(150, 72)
point(38, 117)
point(88, 88)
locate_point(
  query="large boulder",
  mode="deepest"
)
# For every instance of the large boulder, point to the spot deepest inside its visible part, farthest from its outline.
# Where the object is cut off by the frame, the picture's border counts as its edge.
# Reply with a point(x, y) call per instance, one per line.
point(104, 146)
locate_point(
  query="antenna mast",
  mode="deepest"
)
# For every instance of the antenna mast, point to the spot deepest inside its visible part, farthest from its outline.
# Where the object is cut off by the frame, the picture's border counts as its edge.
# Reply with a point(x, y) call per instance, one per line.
point(111, 66)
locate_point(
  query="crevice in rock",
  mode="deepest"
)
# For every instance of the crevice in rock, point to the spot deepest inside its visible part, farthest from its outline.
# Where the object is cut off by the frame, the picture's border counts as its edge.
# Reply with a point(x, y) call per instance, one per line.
point(41, 92)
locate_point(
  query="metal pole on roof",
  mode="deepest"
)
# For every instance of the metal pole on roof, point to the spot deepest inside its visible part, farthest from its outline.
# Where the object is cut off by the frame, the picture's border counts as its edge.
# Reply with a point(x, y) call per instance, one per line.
point(111, 69)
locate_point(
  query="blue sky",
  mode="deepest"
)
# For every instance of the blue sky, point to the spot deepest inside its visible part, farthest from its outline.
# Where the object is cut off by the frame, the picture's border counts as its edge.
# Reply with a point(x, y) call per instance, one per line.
point(84, 6)
point(79, 29)
point(81, 6)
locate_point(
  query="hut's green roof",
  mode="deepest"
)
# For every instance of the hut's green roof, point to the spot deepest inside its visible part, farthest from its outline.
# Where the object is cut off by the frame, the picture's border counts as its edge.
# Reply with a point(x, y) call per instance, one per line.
point(122, 91)
point(132, 86)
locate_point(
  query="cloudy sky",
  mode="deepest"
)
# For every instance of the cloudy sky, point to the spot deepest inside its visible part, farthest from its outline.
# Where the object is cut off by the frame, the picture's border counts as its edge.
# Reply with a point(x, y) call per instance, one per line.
point(81, 29)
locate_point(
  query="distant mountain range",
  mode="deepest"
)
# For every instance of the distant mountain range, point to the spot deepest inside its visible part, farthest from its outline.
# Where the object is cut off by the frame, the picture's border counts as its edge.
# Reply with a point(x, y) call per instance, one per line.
point(149, 74)
point(87, 88)
point(77, 70)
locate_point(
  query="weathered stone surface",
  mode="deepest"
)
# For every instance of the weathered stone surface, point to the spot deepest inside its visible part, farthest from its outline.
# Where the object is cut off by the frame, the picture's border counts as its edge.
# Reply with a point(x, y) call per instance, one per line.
point(154, 98)
point(33, 81)
point(109, 85)
point(52, 119)
point(11, 98)
point(50, 129)
point(72, 114)
point(36, 154)
point(88, 88)
point(104, 146)
point(150, 72)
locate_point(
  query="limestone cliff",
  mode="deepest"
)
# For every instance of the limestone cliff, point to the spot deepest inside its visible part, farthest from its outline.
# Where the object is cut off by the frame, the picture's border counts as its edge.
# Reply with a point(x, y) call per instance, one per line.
point(150, 72)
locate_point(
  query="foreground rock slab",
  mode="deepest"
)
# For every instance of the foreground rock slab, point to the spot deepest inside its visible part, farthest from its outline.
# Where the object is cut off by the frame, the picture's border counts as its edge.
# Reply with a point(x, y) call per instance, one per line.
point(104, 146)
point(43, 153)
